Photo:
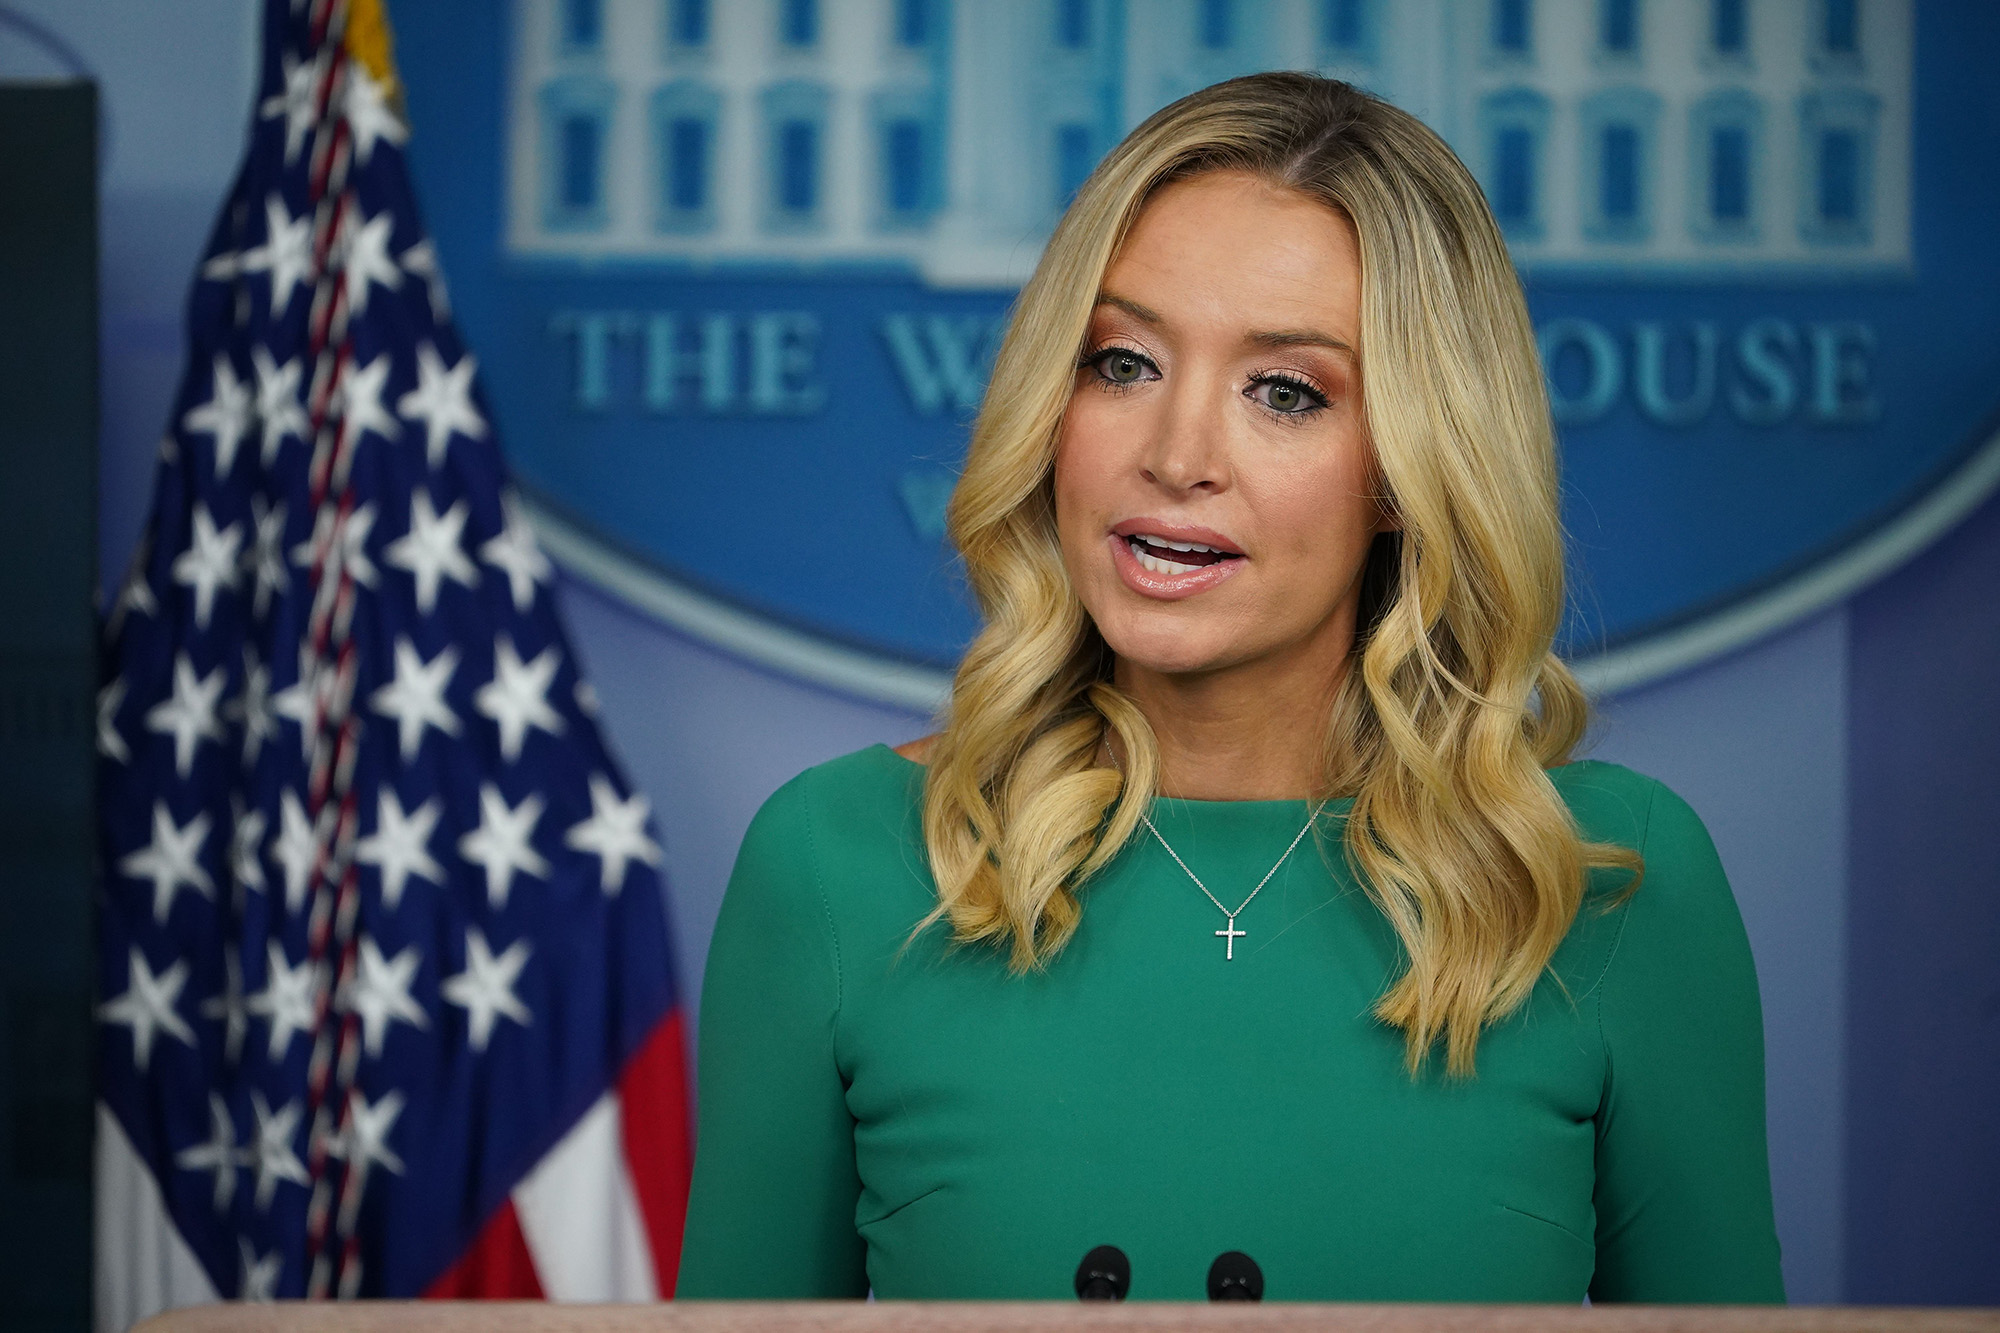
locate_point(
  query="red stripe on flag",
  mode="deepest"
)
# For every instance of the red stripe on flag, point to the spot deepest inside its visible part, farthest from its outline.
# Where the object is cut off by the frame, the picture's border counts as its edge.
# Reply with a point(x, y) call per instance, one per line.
point(496, 1267)
point(652, 1095)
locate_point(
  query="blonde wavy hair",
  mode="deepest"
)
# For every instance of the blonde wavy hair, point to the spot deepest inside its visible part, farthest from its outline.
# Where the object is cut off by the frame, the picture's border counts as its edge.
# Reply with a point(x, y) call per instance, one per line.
point(1442, 734)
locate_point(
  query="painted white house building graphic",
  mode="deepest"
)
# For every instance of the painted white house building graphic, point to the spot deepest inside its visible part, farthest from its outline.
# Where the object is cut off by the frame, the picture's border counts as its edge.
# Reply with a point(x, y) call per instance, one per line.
point(1694, 136)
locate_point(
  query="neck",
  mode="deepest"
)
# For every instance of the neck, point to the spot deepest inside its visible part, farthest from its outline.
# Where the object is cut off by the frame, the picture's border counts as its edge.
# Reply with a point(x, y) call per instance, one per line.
point(1253, 732)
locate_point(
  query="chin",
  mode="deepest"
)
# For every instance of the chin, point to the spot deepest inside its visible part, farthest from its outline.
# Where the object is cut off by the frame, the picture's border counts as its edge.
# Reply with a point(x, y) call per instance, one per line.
point(1173, 649)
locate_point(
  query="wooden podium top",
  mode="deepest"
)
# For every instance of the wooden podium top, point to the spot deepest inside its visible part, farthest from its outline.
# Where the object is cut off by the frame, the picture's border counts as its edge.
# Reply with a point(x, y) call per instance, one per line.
point(1049, 1317)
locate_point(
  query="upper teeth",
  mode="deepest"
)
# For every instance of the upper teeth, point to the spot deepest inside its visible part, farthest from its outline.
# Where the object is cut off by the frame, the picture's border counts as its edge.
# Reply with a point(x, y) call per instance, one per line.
point(1178, 546)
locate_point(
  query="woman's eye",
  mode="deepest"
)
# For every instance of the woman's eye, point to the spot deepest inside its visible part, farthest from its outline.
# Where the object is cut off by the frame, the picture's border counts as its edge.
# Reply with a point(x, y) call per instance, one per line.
point(1121, 367)
point(1287, 397)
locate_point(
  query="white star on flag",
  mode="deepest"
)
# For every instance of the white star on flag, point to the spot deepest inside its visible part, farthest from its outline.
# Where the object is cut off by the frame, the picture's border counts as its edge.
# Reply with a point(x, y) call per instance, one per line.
point(296, 850)
point(485, 990)
point(361, 400)
point(147, 1006)
point(364, 1140)
point(246, 858)
point(516, 553)
point(266, 556)
point(421, 261)
point(188, 715)
point(367, 256)
point(501, 844)
point(415, 698)
point(279, 410)
point(286, 1001)
point(219, 1154)
point(379, 991)
point(109, 743)
point(209, 564)
point(369, 117)
point(222, 265)
point(171, 859)
point(226, 415)
point(340, 539)
point(615, 832)
point(299, 701)
point(252, 708)
point(275, 1157)
point(137, 595)
point(260, 1274)
point(298, 103)
point(442, 400)
point(286, 253)
point(430, 550)
point(400, 845)
point(350, 545)
point(516, 697)
point(228, 1007)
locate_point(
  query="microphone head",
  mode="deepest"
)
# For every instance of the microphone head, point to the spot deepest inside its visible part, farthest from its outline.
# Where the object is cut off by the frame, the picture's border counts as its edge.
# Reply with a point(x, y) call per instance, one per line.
point(1234, 1276)
point(1106, 1275)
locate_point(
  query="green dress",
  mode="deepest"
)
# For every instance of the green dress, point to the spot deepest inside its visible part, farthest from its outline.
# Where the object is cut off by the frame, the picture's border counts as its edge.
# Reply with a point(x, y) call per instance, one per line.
point(921, 1122)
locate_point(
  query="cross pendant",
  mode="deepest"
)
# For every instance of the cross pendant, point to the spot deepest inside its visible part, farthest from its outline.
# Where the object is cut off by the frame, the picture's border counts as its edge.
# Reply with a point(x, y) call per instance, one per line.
point(1230, 936)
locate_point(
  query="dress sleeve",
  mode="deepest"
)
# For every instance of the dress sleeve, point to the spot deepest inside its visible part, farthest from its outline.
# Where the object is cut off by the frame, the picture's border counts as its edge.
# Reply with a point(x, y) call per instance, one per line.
point(771, 1211)
point(1683, 1174)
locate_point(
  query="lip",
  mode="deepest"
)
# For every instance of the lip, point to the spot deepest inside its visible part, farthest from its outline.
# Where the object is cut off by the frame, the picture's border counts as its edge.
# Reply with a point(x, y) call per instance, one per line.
point(1175, 532)
point(1170, 587)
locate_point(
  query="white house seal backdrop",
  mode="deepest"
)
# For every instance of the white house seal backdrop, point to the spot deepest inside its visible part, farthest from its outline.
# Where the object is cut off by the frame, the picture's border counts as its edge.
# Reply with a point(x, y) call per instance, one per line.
point(737, 272)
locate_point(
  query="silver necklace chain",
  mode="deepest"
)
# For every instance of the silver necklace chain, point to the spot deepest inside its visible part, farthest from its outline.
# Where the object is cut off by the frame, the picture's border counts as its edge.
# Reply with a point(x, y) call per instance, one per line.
point(1230, 934)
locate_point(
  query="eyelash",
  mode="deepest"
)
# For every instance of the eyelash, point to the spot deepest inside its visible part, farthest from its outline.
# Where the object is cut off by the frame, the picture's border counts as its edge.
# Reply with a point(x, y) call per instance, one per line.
point(1094, 362)
point(1313, 394)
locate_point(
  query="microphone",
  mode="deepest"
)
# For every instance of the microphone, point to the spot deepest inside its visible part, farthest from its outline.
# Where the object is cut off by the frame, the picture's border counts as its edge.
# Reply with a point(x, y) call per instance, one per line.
point(1234, 1276)
point(1106, 1275)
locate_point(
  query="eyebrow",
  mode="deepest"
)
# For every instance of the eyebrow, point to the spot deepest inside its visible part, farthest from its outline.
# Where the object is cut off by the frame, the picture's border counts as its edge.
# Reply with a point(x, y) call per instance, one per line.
point(1144, 314)
point(1302, 338)
point(1274, 338)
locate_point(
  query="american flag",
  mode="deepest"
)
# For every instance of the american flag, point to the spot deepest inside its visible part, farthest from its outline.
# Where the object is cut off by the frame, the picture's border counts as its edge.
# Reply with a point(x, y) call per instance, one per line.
point(385, 990)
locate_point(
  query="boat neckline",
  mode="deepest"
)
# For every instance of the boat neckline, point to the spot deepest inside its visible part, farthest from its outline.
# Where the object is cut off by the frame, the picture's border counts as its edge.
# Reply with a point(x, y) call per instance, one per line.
point(1289, 802)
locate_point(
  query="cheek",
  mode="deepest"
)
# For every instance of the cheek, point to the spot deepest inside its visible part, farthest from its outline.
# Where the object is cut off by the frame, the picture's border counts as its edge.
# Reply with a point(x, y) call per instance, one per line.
point(1085, 465)
point(1324, 519)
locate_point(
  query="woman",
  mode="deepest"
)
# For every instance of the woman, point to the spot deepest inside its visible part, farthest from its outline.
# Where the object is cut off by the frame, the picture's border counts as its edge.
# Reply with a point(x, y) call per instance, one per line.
point(1247, 900)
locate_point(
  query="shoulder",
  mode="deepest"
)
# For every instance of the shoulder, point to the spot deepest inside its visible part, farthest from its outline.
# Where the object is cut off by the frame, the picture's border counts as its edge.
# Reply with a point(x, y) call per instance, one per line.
point(871, 790)
point(1613, 804)
point(1682, 919)
point(852, 820)
point(1610, 802)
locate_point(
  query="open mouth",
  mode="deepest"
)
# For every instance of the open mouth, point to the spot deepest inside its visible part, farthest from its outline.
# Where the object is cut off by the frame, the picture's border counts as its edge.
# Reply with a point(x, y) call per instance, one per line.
point(1159, 556)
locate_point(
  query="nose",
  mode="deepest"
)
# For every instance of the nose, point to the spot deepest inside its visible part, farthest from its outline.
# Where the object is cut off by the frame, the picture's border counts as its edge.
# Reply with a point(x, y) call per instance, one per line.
point(1187, 451)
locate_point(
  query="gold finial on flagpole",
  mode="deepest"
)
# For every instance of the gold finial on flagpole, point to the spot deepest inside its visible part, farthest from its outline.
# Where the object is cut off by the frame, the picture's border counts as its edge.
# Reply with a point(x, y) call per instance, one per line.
point(371, 43)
